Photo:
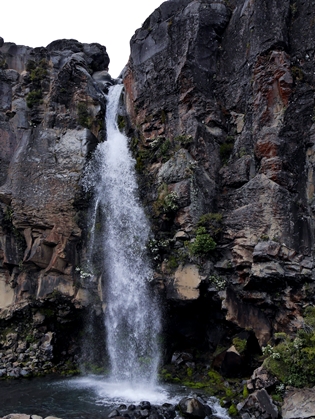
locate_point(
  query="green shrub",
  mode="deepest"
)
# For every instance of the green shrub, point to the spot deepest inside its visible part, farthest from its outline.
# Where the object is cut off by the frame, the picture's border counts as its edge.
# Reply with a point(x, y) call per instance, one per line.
point(170, 202)
point(292, 361)
point(309, 317)
point(38, 71)
point(34, 98)
point(172, 263)
point(212, 222)
point(164, 150)
point(203, 243)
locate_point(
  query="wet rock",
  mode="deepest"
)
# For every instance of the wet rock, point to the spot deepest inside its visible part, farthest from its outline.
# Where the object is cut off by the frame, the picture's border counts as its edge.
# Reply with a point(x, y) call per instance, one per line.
point(114, 413)
point(257, 404)
point(145, 405)
point(192, 407)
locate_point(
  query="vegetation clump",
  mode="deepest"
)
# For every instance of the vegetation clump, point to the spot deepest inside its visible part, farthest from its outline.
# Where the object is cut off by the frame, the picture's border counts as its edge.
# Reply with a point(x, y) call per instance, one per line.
point(233, 410)
point(34, 98)
point(203, 243)
point(160, 149)
point(170, 202)
point(212, 222)
point(84, 117)
point(292, 360)
point(38, 72)
point(218, 281)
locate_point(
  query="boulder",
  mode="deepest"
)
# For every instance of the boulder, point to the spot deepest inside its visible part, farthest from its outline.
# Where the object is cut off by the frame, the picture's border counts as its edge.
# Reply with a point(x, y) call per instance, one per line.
point(194, 408)
point(299, 403)
point(232, 363)
point(261, 378)
point(258, 404)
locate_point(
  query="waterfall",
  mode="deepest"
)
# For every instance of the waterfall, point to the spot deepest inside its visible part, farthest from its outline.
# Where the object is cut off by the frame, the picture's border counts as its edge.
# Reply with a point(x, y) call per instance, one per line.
point(132, 316)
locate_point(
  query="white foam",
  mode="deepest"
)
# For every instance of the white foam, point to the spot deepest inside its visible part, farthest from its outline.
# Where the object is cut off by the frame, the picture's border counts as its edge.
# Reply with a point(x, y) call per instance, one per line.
point(108, 392)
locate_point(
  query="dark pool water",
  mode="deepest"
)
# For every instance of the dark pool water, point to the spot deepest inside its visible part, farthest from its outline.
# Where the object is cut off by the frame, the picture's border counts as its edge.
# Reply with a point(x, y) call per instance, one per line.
point(90, 397)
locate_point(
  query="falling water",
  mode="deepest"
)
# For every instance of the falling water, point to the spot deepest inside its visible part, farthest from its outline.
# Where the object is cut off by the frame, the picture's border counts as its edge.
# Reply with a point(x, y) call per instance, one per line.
point(132, 316)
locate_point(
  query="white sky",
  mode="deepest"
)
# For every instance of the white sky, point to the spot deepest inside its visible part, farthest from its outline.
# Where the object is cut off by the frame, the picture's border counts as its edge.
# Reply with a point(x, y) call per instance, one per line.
point(111, 23)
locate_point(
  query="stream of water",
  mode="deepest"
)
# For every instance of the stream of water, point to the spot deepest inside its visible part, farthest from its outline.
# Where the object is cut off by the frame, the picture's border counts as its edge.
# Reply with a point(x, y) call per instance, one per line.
point(132, 315)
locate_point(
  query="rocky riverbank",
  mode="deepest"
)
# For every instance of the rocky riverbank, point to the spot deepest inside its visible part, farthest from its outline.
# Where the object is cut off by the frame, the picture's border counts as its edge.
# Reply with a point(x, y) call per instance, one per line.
point(297, 404)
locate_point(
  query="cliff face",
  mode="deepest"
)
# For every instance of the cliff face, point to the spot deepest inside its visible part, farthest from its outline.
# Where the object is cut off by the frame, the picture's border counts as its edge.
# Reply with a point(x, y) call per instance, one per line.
point(51, 118)
point(221, 103)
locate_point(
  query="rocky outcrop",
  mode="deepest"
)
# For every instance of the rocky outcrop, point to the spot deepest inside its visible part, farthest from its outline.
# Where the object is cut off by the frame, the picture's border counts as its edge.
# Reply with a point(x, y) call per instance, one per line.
point(298, 403)
point(259, 404)
point(51, 118)
point(220, 97)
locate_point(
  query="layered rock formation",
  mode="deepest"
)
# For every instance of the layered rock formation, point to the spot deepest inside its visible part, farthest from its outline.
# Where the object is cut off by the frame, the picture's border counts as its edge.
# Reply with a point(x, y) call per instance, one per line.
point(220, 96)
point(51, 118)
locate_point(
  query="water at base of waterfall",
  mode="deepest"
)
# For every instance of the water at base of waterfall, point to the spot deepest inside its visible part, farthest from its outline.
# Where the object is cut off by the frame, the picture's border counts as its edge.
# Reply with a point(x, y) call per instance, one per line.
point(90, 397)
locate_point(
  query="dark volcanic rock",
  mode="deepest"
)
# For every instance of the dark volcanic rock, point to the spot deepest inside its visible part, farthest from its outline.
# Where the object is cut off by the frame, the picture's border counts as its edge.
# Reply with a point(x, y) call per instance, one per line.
point(51, 118)
point(221, 101)
point(193, 408)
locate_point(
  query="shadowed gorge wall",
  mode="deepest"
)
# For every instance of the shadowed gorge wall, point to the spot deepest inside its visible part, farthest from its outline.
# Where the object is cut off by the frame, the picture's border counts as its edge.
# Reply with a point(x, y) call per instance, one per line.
point(51, 118)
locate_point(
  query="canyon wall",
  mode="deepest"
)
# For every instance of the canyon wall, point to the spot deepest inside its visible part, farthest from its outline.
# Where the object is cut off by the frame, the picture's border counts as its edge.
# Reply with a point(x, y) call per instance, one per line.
point(220, 96)
point(219, 99)
point(51, 118)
